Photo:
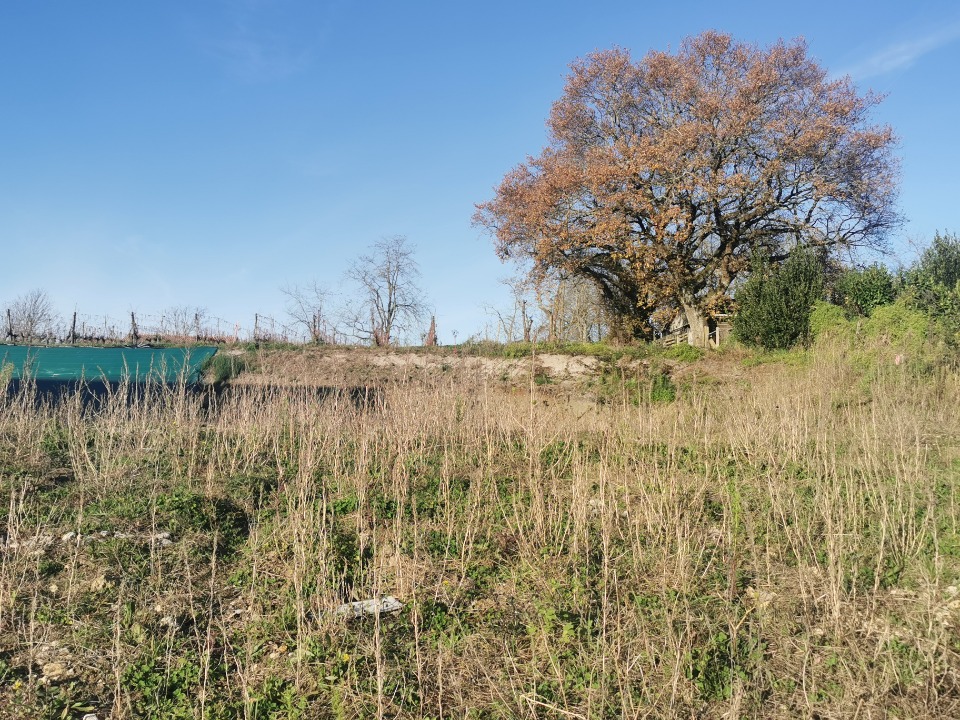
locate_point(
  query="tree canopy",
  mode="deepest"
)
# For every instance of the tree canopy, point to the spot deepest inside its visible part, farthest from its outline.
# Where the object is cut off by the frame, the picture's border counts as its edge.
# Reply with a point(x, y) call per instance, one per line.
point(663, 177)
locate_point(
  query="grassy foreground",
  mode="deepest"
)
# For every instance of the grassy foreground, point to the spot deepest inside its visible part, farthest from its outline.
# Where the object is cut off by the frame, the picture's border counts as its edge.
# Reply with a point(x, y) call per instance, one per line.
point(782, 545)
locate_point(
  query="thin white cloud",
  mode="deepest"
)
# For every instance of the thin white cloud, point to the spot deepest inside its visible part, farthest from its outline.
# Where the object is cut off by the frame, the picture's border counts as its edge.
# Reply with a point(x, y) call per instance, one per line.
point(254, 40)
point(903, 54)
point(257, 57)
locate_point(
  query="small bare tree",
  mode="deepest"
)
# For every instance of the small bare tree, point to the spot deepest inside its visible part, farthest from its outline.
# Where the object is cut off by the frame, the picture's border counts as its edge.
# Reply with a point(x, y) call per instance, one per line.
point(391, 301)
point(517, 323)
point(183, 321)
point(307, 308)
point(30, 316)
point(556, 308)
point(571, 307)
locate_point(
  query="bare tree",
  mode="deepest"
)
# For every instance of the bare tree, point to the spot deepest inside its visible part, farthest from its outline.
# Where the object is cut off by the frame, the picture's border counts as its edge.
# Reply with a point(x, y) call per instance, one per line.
point(517, 323)
point(307, 308)
point(571, 307)
point(30, 316)
point(557, 307)
point(183, 321)
point(391, 301)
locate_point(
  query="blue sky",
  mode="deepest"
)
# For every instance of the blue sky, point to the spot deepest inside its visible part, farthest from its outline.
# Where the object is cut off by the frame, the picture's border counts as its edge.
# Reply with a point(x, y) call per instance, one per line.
point(207, 153)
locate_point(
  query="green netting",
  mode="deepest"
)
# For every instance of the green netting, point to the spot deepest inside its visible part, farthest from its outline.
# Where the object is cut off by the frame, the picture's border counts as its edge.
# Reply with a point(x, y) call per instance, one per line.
point(167, 365)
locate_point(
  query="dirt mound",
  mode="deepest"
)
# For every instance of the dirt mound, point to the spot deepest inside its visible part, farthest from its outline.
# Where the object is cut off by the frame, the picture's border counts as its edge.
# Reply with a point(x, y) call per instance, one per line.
point(364, 366)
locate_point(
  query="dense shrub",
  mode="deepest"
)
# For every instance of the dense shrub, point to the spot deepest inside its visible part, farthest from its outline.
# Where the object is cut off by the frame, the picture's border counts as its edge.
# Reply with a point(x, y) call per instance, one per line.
point(939, 264)
point(933, 285)
point(662, 389)
point(898, 326)
point(827, 318)
point(775, 303)
point(223, 367)
point(683, 352)
point(859, 291)
point(902, 335)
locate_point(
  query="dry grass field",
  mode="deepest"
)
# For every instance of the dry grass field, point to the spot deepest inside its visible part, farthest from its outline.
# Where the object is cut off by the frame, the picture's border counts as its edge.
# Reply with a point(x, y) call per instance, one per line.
point(775, 540)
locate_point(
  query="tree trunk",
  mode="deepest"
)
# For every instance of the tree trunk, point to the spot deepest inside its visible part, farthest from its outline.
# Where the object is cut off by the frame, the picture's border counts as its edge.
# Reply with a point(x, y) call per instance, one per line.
point(699, 335)
point(626, 329)
point(526, 320)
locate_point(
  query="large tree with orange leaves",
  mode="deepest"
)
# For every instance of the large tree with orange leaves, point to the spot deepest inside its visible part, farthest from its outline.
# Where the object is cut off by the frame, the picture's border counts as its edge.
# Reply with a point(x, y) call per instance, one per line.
point(666, 175)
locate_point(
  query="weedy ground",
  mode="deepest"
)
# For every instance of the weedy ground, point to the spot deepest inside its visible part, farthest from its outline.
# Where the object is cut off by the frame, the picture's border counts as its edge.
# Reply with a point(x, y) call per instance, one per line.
point(781, 540)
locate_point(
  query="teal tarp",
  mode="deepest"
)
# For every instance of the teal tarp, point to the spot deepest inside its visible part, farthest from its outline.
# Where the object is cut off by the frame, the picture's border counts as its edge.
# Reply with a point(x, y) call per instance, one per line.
point(93, 364)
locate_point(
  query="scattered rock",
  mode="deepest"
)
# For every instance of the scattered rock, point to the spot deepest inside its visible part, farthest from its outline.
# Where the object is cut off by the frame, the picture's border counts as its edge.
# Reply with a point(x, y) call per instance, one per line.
point(55, 662)
point(36, 544)
point(761, 599)
point(360, 608)
point(161, 538)
point(54, 671)
point(100, 583)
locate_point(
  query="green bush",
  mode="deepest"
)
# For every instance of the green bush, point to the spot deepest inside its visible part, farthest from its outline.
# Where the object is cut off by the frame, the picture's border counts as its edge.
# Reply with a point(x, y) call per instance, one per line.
point(903, 335)
point(827, 318)
point(662, 389)
point(947, 315)
point(933, 285)
point(860, 291)
point(775, 303)
point(222, 367)
point(898, 326)
point(939, 264)
point(683, 352)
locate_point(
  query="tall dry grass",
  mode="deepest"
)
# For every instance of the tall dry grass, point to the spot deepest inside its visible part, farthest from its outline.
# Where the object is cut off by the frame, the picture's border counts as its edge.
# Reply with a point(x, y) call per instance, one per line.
point(784, 545)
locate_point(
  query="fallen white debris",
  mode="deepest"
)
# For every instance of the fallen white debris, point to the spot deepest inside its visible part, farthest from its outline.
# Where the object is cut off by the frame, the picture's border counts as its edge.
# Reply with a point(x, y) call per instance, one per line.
point(387, 604)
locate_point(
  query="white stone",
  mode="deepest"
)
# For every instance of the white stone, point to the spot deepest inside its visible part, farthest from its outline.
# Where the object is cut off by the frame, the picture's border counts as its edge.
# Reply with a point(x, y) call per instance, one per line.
point(360, 608)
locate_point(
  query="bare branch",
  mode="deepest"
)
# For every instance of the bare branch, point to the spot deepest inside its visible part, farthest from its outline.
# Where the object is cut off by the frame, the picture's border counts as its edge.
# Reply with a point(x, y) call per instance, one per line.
point(307, 307)
point(391, 300)
point(30, 317)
